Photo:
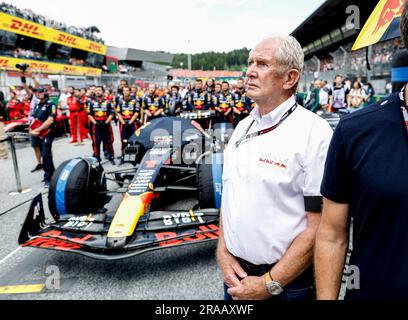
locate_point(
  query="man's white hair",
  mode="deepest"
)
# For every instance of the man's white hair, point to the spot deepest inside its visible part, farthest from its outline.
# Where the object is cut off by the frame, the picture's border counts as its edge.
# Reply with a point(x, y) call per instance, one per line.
point(289, 53)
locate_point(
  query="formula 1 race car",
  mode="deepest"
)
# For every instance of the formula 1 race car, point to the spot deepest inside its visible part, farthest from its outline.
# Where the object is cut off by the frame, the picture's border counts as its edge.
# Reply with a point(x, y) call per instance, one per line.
point(171, 158)
point(18, 129)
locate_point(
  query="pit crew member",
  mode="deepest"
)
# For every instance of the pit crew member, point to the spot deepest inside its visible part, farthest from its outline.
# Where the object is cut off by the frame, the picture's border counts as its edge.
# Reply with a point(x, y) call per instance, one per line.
point(100, 114)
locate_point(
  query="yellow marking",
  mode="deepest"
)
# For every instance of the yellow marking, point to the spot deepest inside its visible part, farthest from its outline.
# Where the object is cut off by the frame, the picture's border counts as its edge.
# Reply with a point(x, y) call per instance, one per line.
point(126, 217)
point(192, 215)
point(32, 288)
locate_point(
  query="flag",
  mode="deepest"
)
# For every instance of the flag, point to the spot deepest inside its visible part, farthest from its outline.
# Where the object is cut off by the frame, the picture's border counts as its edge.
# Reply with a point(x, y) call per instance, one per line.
point(382, 25)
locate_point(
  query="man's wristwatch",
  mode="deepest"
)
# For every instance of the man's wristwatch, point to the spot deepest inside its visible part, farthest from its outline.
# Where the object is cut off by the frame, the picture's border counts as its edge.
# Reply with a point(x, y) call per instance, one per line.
point(273, 287)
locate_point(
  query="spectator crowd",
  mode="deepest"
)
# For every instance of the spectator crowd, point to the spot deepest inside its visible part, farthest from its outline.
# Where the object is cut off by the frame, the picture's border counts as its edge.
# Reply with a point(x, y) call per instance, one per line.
point(27, 14)
point(343, 94)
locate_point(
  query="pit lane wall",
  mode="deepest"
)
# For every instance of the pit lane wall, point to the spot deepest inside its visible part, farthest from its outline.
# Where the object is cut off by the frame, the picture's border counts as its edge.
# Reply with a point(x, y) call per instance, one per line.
point(31, 29)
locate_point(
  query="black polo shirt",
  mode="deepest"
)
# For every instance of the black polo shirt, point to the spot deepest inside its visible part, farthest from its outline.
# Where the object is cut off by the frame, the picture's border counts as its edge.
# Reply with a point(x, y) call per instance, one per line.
point(367, 167)
point(43, 110)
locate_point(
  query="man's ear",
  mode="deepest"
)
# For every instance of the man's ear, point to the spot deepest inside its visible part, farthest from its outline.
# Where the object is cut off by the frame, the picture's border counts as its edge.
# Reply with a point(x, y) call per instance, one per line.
point(291, 79)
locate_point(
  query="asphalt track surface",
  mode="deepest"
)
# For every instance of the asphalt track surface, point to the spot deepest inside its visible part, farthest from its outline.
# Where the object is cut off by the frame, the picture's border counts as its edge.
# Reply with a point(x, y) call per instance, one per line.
point(187, 272)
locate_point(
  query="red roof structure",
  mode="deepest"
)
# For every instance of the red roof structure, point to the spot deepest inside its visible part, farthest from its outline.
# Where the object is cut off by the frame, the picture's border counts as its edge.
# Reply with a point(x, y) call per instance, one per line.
point(183, 73)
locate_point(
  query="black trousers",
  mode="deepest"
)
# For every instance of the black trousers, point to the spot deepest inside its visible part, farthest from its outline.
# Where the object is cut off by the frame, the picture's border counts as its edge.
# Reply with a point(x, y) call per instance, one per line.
point(126, 131)
point(46, 154)
point(102, 132)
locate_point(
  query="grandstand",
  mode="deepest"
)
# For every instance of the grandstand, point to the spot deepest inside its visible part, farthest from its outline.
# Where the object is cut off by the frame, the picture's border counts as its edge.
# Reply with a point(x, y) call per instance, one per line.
point(59, 56)
point(327, 43)
point(135, 64)
point(67, 55)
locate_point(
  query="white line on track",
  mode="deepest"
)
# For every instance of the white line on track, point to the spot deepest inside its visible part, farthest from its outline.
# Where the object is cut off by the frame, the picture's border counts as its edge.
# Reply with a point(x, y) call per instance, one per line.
point(9, 255)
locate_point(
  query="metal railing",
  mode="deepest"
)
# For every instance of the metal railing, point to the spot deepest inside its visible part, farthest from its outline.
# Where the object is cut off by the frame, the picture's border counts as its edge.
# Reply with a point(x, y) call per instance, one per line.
point(20, 189)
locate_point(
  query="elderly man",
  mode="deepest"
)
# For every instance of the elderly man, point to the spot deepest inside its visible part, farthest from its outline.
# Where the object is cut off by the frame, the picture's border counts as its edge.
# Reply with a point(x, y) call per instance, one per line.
point(273, 167)
point(365, 183)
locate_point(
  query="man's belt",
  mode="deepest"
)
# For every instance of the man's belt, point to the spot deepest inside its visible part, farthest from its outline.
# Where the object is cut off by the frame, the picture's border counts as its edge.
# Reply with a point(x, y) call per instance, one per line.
point(253, 269)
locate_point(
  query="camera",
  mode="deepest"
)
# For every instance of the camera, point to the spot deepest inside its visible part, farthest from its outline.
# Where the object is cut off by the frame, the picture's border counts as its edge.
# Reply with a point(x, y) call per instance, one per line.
point(23, 67)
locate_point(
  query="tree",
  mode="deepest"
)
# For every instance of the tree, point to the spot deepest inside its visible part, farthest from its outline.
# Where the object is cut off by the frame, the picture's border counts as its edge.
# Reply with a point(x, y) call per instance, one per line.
point(234, 60)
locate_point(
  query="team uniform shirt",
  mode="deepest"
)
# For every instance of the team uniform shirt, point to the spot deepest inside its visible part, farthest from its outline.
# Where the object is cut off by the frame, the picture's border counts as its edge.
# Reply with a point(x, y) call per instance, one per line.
point(223, 102)
point(198, 100)
point(100, 111)
point(15, 108)
point(367, 168)
point(153, 103)
point(74, 104)
point(128, 108)
point(267, 180)
point(26, 107)
point(242, 102)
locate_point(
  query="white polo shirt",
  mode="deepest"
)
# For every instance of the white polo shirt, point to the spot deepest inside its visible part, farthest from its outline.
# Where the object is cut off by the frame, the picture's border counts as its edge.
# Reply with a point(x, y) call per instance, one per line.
point(266, 178)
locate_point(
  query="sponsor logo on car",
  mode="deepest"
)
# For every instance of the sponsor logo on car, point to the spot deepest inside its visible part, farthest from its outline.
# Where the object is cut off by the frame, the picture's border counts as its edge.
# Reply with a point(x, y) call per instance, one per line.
point(55, 240)
point(182, 218)
point(202, 233)
point(80, 222)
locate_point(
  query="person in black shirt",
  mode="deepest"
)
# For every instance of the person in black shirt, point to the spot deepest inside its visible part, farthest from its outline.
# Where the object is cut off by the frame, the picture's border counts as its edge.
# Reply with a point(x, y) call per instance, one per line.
point(209, 86)
point(365, 186)
point(242, 103)
point(3, 111)
point(45, 111)
point(129, 115)
point(173, 102)
point(223, 103)
point(152, 104)
point(100, 114)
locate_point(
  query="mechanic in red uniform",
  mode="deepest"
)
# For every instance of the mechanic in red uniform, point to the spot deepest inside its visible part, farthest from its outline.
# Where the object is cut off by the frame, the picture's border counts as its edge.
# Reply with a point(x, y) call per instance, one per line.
point(223, 103)
point(26, 106)
point(100, 114)
point(128, 113)
point(15, 107)
point(109, 96)
point(83, 115)
point(75, 106)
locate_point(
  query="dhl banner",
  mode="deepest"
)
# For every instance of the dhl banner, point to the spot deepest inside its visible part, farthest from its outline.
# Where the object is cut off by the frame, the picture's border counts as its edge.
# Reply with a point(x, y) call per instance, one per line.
point(382, 25)
point(9, 63)
point(38, 31)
